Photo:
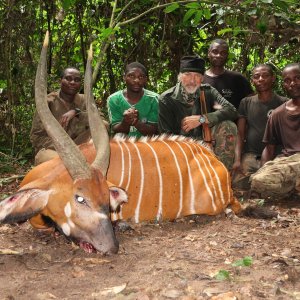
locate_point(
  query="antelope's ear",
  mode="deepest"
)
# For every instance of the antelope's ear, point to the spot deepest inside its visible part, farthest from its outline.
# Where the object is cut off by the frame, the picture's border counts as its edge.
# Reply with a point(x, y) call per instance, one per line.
point(23, 205)
point(117, 197)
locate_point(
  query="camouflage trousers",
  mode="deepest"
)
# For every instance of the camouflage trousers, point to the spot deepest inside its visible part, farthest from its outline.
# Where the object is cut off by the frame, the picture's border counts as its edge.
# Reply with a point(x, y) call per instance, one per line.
point(224, 137)
point(278, 178)
point(249, 165)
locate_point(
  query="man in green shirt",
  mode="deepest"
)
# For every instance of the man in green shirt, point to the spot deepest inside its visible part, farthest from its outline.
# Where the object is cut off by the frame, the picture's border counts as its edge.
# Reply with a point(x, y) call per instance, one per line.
point(181, 111)
point(134, 110)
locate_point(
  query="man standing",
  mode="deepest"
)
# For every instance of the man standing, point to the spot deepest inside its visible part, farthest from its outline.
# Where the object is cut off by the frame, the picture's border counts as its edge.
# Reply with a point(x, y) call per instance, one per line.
point(67, 106)
point(233, 86)
point(134, 110)
point(281, 176)
point(190, 106)
point(254, 112)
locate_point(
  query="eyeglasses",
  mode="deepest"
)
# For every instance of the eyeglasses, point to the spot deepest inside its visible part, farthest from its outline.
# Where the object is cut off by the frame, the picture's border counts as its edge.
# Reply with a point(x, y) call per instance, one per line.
point(71, 78)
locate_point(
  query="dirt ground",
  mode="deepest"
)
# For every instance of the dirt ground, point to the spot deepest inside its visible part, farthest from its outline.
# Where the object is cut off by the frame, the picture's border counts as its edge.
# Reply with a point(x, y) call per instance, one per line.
point(223, 257)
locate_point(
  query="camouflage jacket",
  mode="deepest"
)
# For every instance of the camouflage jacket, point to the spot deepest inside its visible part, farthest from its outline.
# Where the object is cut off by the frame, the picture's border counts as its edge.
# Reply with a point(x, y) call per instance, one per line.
point(173, 108)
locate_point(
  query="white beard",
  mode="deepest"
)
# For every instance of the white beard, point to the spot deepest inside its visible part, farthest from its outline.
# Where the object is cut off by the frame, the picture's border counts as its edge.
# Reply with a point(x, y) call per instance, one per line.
point(191, 89)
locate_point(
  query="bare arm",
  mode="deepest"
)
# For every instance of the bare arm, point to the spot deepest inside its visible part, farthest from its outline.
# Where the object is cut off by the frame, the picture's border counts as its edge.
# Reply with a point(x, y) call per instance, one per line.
point(122, 127)
point(242, 127)
point(268, 154)
point(224, 110)
point(146, 128)
point(67, 117)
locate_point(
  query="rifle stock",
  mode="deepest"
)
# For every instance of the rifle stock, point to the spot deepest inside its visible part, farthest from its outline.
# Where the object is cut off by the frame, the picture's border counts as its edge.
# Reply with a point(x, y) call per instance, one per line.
point(207, 137)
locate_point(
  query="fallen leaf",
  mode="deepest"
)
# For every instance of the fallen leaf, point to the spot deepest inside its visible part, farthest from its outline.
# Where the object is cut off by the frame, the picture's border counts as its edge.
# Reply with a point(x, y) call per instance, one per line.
point(5, 228)
point(96, 261)
point(286, 252)
point(47, 257)
point(224, 296)
point(190, 238)
point(45, 296)
point(210, 291)
point(9, 252)
point(111, 291)
point(172, 294)
point(169, 255)
point(78, 272)
point(90, 260)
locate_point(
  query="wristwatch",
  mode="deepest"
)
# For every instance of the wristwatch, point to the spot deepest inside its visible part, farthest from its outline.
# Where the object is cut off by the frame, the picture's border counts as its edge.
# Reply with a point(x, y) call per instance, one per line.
point(202, 119)
point(77, 110)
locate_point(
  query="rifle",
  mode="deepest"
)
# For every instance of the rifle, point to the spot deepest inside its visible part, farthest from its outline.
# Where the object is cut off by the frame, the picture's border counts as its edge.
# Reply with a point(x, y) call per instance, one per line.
point(205, 128)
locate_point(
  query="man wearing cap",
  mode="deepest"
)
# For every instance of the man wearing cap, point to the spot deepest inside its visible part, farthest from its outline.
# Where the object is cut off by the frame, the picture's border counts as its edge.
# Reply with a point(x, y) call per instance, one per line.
point(183, 112)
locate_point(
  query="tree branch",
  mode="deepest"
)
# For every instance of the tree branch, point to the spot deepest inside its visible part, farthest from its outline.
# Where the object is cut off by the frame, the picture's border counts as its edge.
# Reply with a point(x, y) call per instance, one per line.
point(104, 47)
point(114, 25)
point(111, 23)
point(123, 10)
point(159, 6)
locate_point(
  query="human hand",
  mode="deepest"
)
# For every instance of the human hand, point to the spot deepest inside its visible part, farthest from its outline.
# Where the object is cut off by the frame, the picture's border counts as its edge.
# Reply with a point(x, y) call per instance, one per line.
point(236, 169)
point(217, 106)
point(189, 123)
point(66, 118)
point(131, 116)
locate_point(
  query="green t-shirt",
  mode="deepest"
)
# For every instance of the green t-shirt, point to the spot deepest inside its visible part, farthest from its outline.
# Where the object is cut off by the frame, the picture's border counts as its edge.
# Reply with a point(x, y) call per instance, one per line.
point(147, 107)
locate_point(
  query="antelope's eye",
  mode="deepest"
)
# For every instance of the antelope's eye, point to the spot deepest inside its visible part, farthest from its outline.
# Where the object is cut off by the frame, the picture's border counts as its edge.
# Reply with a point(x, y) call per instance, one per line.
point(80, 199)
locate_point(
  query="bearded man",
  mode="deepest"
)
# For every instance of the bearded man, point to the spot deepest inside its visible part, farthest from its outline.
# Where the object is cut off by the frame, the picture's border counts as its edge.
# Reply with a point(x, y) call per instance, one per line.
point(190, 106)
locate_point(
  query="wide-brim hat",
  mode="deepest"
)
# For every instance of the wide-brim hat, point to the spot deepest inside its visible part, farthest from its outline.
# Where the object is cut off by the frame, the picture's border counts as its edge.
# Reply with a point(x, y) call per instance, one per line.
point(192, 63)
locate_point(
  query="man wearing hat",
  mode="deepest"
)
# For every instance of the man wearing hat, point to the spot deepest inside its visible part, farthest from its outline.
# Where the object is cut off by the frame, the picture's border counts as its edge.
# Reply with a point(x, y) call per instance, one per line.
point(192, 109)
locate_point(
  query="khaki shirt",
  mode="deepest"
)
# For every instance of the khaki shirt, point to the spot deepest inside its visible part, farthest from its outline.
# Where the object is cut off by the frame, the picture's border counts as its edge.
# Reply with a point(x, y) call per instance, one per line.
point(78, 127)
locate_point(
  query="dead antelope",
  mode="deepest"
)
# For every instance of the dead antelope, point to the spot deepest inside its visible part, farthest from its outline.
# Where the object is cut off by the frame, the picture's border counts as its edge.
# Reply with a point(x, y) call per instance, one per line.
point(71, 193)
point(165, 178)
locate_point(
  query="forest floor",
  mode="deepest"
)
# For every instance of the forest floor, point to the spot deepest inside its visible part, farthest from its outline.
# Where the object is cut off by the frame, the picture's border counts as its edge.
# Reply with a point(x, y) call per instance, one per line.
point(222, 257)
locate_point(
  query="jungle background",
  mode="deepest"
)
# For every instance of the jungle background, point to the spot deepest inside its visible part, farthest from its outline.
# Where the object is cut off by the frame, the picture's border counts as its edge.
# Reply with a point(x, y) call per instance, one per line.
point(216, 258)
point(155, 33)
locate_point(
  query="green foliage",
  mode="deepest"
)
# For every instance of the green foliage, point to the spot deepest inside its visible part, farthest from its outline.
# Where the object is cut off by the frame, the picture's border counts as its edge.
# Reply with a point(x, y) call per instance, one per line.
point(222, 275)
point(66, 4)
point(247, 261)
point(10, 164)
point(260, 202)
point(244, 262)
point(153, 33)
point(171, 7)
